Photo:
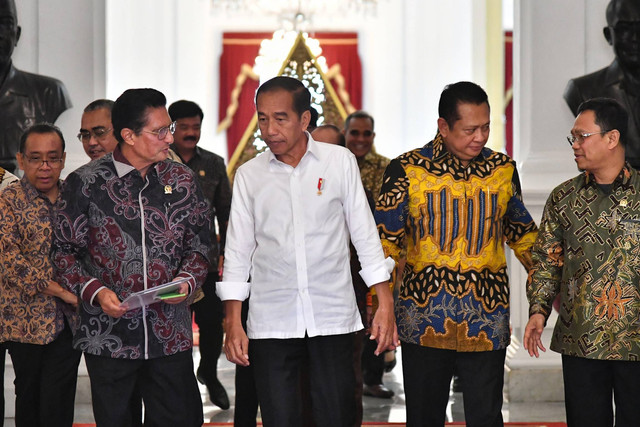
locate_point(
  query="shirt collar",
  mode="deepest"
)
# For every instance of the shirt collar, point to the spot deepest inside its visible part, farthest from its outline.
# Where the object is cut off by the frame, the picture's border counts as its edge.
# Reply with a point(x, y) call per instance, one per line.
point(31, 192)
point(623, 178)
point(122, 165)
point(312, 151)
point(440, 151)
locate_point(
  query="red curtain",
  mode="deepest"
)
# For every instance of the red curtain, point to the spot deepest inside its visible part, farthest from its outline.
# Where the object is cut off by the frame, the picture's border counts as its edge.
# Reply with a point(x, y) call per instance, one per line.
point(241, 49)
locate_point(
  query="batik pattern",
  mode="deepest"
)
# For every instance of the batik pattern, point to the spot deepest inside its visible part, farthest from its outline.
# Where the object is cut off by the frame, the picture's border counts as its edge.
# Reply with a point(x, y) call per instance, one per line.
point(453, 221)
point(588, 252)
point(27, 315)
point(130, 233)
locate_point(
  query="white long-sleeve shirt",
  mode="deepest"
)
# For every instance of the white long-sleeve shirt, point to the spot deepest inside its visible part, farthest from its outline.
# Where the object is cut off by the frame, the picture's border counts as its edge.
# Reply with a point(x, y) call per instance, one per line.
point(289, 232)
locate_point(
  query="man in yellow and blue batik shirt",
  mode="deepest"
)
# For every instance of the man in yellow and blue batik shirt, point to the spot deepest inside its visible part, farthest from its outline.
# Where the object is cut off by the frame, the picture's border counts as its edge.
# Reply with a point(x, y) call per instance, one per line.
point(451, 204)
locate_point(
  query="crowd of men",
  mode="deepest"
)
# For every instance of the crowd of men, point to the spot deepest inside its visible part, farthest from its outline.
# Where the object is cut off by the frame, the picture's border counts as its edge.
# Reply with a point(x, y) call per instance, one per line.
point(327, 258)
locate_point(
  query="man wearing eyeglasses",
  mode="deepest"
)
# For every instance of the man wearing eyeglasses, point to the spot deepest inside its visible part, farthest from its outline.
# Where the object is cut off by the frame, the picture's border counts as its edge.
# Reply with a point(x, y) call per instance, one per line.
point(588, 253)
point(38, 313)
point(130, 221)
point(96, 131)
point(621, 79)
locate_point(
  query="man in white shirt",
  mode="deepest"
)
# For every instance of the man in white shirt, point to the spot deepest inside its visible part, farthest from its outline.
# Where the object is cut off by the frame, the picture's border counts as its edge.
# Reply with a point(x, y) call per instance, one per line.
point(293, 212)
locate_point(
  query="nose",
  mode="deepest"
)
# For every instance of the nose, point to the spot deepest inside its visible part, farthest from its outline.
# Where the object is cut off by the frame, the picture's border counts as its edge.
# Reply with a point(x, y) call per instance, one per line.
point(169, 138)
point(93, 141)
point(271, 127)
point(45, 165)
point(481, 134)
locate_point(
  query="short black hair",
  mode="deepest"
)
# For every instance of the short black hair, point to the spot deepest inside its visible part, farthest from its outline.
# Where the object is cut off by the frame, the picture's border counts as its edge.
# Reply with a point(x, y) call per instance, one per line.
point(300, 94)
point(313, 121)
point(610, 115)
point(181, 109)
point(130, 109)
point(40, 128)
point(360, 114)
point(459, 93)
point(99, 104)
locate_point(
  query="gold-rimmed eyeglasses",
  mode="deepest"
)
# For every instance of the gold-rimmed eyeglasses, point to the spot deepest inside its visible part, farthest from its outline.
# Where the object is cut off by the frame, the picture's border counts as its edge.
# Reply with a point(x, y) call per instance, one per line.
point(163, 132)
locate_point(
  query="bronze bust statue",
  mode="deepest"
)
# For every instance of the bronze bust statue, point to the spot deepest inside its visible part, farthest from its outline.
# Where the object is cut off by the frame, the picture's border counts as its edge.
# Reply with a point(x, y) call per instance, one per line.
point(25, 98)
point(621, 79)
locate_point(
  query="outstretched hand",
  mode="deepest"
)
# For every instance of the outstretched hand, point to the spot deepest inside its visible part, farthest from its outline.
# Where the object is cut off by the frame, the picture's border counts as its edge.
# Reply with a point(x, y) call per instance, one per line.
point(533, 335)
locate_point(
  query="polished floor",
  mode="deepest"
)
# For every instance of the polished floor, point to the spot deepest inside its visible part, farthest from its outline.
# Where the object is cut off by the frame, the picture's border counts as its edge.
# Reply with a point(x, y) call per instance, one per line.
point(375, 410)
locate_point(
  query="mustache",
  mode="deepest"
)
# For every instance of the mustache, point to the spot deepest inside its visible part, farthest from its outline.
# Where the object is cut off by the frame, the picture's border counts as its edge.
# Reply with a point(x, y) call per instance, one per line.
point(190, 138)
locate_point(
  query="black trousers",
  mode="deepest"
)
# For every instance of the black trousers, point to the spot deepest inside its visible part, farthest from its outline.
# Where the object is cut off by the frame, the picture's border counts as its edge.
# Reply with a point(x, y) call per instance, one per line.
point(46, 377)
point(427, 376)
point(372, 365)
point(167, 384)
point(590, 386)
point(246, 405)
point(277, 364)
point(208, 315)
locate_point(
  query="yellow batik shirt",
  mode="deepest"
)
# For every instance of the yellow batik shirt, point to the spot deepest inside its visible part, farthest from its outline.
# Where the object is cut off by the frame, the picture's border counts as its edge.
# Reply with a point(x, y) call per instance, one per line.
point(453, 222)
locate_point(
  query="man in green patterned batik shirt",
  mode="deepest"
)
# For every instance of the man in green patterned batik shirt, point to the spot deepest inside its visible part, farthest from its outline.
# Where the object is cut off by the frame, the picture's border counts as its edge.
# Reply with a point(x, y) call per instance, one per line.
point(588, 253)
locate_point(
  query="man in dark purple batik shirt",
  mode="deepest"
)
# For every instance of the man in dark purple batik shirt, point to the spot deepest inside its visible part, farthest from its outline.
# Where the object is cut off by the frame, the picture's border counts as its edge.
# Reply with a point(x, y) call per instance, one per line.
point(130, 221)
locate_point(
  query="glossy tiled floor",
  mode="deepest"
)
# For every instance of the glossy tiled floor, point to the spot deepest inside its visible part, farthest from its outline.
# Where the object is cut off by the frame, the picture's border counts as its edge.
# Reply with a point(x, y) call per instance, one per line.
point(391, 410)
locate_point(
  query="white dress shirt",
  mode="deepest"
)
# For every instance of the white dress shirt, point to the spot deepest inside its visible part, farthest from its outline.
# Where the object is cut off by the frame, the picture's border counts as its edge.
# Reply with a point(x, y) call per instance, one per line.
point(289, 231)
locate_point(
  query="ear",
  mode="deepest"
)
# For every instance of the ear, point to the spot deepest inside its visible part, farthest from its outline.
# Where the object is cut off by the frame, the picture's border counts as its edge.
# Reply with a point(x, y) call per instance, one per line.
point(614, 139)
point(64, 157)
point(21, 160)
point(127, 135)
point(608, 35)
point(443, 127)
point(18, 33)
point(305, 118)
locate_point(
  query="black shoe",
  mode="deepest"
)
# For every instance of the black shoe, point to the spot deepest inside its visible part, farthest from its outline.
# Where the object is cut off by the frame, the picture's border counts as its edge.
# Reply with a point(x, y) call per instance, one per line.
point(377, 390)
point(217, 393)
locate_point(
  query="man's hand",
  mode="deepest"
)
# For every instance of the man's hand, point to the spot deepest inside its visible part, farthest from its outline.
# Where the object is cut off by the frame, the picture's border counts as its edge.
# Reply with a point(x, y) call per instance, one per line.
point(110, 303)
point(236, 342)
point(383, 328)
point(532, 335)
point(54, 289)
point(184, 289)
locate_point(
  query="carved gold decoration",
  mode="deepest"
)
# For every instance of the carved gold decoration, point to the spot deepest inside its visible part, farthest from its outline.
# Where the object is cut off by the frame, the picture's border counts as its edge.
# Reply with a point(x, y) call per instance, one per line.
point(303, 65)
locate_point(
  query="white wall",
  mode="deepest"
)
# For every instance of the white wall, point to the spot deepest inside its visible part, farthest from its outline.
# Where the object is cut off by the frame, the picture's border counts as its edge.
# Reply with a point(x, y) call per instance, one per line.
point(409, 51)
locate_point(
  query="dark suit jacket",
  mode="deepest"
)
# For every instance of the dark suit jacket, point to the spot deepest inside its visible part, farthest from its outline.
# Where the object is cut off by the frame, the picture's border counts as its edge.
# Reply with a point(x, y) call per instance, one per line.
point(609, 82)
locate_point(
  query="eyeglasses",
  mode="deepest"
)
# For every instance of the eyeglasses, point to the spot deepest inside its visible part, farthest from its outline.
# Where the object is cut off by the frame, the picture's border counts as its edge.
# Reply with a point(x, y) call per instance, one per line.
point(37, 162)
point(162, 132)
point(99, 134)
point(582, 136)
